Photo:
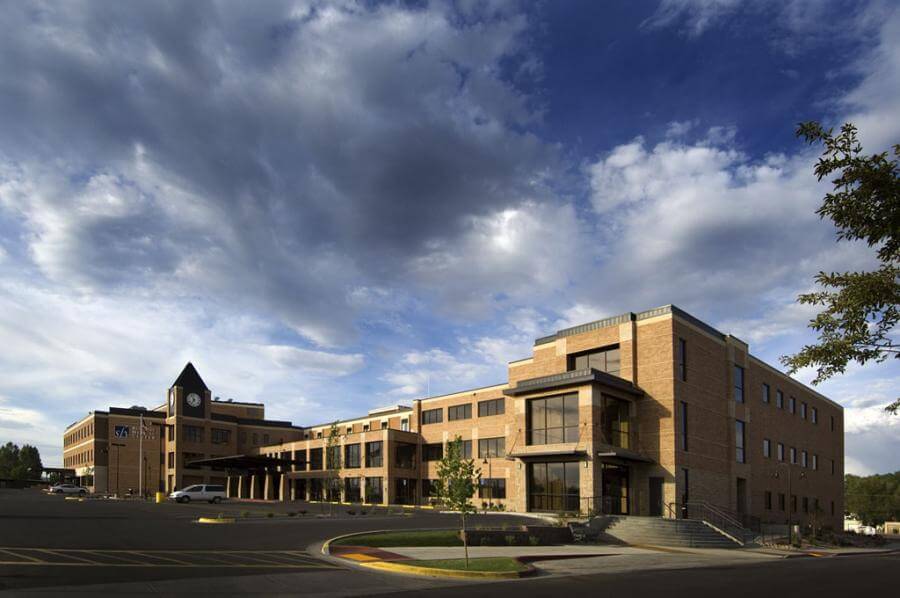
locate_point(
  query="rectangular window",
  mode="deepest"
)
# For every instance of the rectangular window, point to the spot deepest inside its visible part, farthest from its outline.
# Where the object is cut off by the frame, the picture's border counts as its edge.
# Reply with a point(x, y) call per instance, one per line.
point(739, 438)
point(406, 455)
point(315, 459)
point(681, 359)
point(780, 452)
point(793, 456)
point(432, 416)
point(686, 488)
point(768, 500)
point(466, 449)
point(806, 504)
point(803, 410)
point(351, 489)
point(767, 448)
point(832, 467)
point(429, 488)
point(803, 459)
point(781, 501)
point(793, 503)
point(459, 412)
point(492, 488)
point(491, 447)
point(815, 462)
point(832, 423)
point(404, 425)
point(171, 433)
point(738, 384)
point(684, 426)
point(606, 360)
point(193, 434)
point(300, 460)
point(765, 393)
point(792, 405)
point(333, 457)
point(491, 407)
point(814, 415)
point(432, 452)
point(256, 439)
point(832, 507)
point(552, 420)
point(779, 399)
point(553, 486)
point(220, 436)
point(375, 454)
point(374, 490)
point(352, 457)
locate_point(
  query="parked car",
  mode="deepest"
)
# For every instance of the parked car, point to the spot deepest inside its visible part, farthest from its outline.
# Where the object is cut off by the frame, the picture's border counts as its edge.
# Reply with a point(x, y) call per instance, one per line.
point(209, 492)
point(68, 489)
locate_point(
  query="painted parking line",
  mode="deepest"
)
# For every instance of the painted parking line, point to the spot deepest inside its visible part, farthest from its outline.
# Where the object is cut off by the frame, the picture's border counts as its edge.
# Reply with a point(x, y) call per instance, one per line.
point(261, 559)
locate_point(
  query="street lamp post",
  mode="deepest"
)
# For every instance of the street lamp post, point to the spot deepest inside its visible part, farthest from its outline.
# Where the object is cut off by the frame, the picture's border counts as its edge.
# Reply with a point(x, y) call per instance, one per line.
point(790, 504)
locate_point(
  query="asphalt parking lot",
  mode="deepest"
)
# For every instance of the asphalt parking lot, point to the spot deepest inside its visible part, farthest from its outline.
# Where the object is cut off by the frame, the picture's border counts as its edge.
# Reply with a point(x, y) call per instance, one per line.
point(52, 546)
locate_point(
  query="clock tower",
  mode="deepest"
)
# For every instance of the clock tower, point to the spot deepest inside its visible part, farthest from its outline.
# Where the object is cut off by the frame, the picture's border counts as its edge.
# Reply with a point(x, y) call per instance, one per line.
point(189, 395)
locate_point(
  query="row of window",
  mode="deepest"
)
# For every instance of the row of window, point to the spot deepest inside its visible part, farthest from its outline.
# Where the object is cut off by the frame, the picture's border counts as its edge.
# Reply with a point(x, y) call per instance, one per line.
point(318, 489)
point(804, 461)
point(81, 433)
point(809, 505)
point(806, 412)
point(489, 488)
point(404, 427)
point(487, 448)
point(79, 458)
point(458, 412)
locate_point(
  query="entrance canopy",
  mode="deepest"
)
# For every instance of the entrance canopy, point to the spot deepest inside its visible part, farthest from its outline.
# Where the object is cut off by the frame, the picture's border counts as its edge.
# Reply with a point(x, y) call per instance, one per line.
point(244, 462)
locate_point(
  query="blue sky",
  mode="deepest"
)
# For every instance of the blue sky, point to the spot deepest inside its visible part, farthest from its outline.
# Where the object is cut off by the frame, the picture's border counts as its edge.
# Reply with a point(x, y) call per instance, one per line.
point(329, 207)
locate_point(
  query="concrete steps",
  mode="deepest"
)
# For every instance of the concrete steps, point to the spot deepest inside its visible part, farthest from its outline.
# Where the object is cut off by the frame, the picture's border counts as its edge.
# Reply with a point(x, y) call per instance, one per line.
point(621, 529)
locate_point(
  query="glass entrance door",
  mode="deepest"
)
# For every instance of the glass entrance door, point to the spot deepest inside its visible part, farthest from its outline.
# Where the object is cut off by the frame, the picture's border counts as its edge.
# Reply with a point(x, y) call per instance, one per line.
point(615, 489)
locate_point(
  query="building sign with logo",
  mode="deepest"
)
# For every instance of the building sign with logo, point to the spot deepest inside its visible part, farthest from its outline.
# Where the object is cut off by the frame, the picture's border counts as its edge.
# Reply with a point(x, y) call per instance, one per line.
point(122, 431)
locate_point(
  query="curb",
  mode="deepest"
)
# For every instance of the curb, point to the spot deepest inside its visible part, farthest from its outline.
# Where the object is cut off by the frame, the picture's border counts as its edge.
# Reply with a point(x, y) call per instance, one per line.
point(216, 520)
point(326, 547)
point(395, 567)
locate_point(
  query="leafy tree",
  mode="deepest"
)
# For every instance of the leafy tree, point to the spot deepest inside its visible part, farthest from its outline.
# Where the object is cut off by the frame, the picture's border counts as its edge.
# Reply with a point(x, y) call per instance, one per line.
point(457, 480)
point(20, 464)
point(333, 465)
point(860, 309)
point(873, 499)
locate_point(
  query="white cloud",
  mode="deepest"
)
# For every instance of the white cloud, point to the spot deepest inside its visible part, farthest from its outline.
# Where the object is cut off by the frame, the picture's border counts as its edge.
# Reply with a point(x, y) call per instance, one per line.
point(314, 361)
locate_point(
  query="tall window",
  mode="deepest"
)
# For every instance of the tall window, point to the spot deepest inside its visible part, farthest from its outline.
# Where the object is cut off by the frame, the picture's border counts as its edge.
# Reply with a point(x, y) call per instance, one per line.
point(553, 486)
point(615, 421)
point(684, 426)
point(681, 359)
point(803, 459)
point(333, 457)
point(315, 459)
point(765, 393)
point(374, 490)
point(686, 488)
point(767, 448)
point(738, 384)
point(491, 447)
point(779, 399)
point(792, 405)
point(815, 462)
point(406, 455)
point(793, 456)
point(739, 439)
point(814, 415)
point(780, 501)
point(552, 420)
point(432, 416)
point(459, 412)
point(606, 360)
point(768, 500)
point(432, 452)
point(193, 434)
point(780, 452)
point(491, 407)
point(803, 410)
point(375, 454)
point(465, 449)
point(351, 456)
point(351, 489)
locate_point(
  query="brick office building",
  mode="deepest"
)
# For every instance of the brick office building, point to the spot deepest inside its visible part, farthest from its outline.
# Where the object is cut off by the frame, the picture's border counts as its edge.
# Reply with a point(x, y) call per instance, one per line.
point(642, 413)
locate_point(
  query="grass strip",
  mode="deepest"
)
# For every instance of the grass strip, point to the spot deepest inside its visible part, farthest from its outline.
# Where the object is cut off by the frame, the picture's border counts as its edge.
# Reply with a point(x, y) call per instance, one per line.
point(403, 538)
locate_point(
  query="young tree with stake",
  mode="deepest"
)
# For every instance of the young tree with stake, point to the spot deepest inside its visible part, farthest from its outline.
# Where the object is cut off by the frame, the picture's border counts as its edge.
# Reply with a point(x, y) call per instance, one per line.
point(457, 480)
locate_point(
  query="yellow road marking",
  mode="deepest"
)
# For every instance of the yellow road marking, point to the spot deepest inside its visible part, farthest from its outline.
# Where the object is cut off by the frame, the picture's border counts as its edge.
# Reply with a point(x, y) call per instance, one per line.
point(164, 558)
point(102, 553)
point(66, 556)
point(24, 556)
point(358, 556)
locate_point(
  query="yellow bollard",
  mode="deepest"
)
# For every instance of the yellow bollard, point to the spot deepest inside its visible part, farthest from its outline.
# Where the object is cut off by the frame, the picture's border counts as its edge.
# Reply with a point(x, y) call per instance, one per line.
point(160, 497)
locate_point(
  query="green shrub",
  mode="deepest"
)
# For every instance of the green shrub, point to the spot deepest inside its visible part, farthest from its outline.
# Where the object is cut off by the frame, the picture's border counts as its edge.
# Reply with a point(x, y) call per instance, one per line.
point(534, 541)
point(485, 541)
point(511, 540)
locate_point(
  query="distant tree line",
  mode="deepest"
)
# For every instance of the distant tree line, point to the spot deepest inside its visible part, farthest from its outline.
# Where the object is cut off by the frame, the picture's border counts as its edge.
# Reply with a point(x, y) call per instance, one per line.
point(873, 499)
point(20, 463)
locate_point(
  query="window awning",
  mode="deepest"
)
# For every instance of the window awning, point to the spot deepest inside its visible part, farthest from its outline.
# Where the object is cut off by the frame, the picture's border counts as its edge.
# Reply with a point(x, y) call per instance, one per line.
point(538, 452)
point(624, 454)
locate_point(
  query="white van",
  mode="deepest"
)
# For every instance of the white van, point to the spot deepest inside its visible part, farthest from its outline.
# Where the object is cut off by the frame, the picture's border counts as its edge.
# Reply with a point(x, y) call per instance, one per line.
point(208, 492)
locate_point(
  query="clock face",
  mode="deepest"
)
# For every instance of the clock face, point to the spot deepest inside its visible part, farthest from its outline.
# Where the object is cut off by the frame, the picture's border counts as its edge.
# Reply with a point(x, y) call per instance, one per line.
point(193, 399)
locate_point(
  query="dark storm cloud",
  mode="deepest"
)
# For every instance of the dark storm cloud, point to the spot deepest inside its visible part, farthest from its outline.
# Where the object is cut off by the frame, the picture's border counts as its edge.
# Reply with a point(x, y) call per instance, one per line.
point(283, 153)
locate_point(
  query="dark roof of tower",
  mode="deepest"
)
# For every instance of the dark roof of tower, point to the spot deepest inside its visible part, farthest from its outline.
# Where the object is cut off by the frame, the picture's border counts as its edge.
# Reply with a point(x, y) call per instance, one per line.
point(189, 378)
